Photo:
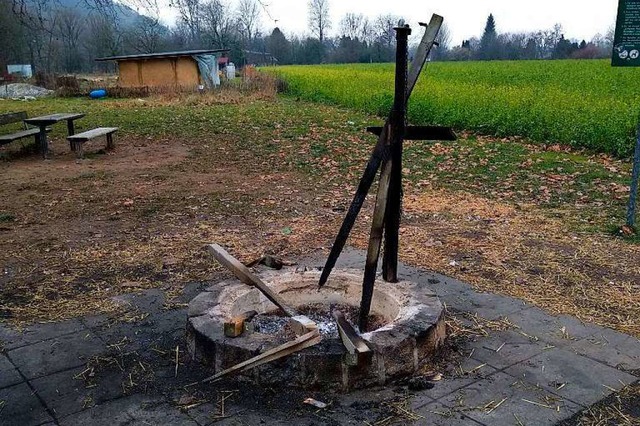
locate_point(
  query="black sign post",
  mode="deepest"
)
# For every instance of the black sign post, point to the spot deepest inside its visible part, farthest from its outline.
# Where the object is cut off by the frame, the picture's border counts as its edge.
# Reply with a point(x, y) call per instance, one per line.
point(626, 53)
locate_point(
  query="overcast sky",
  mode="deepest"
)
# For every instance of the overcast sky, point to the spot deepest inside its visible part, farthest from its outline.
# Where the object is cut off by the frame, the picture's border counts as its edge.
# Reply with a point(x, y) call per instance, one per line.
point(580, 19)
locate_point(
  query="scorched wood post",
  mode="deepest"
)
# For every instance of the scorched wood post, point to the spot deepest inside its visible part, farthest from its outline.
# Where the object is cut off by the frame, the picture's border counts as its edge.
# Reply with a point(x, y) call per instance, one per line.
point(386, 215)
point(397, 126)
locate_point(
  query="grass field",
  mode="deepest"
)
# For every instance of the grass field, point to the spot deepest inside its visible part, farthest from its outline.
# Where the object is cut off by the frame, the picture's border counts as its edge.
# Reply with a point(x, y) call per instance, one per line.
point(586, 104)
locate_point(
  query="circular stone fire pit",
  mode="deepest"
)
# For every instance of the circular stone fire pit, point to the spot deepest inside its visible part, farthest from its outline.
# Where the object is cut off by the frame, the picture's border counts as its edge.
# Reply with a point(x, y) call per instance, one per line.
point(408, 317)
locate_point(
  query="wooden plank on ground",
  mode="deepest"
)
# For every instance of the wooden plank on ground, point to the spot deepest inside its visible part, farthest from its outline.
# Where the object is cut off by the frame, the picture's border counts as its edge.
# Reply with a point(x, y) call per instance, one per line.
point(302, 325)
point(246, 276)
point(300, 343)
point(350, 338)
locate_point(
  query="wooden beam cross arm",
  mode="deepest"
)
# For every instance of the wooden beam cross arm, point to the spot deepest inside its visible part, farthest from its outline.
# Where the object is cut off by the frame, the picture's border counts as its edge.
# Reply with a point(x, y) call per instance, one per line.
point(246, 276)
point(422, 133)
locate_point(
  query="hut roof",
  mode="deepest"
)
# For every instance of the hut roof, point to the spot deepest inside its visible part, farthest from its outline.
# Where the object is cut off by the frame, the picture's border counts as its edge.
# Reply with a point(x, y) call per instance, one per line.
point(161, 55)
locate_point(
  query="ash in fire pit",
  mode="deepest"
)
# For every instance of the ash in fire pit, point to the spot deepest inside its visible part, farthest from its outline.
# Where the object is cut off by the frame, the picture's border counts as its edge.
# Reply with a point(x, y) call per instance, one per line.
point(406, 320)
point(277, 323)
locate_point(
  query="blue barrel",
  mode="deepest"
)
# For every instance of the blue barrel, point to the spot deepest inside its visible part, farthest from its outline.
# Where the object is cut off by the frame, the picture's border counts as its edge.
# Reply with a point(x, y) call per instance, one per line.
point(98, 93)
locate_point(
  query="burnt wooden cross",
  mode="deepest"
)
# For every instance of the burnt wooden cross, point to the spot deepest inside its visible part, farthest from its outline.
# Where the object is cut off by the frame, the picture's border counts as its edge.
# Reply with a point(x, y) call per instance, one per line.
point(388, 154)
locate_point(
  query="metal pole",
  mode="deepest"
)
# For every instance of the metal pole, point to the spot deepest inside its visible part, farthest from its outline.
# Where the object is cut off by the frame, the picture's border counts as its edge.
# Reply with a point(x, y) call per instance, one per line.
point(635, 175)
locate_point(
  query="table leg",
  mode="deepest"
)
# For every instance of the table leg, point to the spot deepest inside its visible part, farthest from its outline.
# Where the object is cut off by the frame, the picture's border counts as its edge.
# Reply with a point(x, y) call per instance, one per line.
point(71, 131)
point(71, 128)
point(44, 144)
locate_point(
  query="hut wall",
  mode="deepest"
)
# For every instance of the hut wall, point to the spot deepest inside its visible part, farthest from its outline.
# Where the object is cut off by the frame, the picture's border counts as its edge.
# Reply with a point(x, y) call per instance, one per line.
point(164, 72)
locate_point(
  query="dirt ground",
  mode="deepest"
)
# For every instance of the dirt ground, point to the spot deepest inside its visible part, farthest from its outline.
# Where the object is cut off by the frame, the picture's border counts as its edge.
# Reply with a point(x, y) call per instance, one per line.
point(74, 233)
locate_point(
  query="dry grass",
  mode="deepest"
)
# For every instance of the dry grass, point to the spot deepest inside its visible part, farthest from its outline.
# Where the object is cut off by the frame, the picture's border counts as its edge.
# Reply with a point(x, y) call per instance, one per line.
point(519, 251)
point(622, 411)
point(272, 179)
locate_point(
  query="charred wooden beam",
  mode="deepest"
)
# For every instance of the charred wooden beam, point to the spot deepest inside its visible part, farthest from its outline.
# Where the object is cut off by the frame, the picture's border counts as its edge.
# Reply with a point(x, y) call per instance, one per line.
point(397, 125)
point(375, 241)
point(422, 133)
point(246, 276)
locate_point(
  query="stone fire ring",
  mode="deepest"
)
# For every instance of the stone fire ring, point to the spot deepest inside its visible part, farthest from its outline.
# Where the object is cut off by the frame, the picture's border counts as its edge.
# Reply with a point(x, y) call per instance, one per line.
point(413, 331)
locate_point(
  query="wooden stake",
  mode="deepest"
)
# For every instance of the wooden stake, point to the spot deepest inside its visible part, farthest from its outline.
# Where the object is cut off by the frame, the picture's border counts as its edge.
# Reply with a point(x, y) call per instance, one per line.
point(246, 276)
point(375, 240)
point(397, 126)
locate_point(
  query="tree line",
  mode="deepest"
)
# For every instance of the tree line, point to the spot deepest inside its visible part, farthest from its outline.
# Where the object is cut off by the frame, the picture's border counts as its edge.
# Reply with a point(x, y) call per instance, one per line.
point(66, 35)
point(543, 44)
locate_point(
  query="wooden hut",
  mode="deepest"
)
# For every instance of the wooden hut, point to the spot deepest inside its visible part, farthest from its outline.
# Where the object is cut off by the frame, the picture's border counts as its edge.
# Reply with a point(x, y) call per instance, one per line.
point(165, 69)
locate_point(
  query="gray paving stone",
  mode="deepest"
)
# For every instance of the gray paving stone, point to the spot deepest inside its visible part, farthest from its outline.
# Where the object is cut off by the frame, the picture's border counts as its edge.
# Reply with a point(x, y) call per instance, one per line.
point(612, 348)
point(208, 414)
point(516, 399)
point(558, 330)
point(20, 407)
point(465, 373)
point(488, 306)
point(38, 332)
point(128, 337)
point(503, 349)
point(146, 301)
point(7, 334)
point(444, 287)
point(159, 414)
point(57, 354)
point(248, 418)
point(437, 414)
point(112, 413)
point(67, 392)
point(8, 374)
point(571, 376)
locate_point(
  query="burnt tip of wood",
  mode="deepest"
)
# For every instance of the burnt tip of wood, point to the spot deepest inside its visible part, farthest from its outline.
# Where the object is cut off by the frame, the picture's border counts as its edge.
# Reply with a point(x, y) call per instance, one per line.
point(324, 277)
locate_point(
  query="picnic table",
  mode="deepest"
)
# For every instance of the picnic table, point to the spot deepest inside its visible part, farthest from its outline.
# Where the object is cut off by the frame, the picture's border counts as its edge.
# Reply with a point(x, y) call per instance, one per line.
point(47, 120)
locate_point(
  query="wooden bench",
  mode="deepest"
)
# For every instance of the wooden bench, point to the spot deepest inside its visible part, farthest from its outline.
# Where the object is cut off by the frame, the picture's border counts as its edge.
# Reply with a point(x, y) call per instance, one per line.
point(17, 117)
point(77, 140)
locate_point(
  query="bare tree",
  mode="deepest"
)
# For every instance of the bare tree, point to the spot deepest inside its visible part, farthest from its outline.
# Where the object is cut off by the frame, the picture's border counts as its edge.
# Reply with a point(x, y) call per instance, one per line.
point(319, 19)
point(217, 24)
point(146, 35)
point(444, 43)
point(444, 38)
point(38, 17)
point(104, 39)
point(248, 15)
point(351, 25)
point(189, 11)
point(384, 29)
point(70, 27)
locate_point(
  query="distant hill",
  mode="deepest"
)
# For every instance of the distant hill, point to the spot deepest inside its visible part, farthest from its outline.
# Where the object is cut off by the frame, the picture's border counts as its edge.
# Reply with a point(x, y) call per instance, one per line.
point(126, 15)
